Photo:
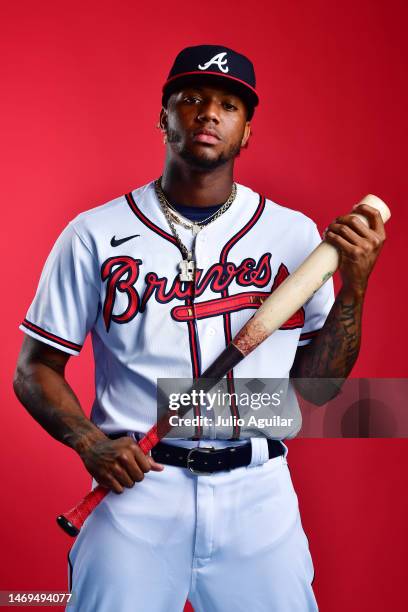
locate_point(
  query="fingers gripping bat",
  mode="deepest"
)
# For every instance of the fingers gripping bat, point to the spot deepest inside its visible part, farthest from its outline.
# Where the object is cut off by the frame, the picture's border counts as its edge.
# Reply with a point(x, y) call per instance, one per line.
point(291, 295)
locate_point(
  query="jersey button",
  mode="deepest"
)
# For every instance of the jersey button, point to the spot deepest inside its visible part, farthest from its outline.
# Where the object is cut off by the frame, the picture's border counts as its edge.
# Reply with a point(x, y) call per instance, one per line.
point(211, 331)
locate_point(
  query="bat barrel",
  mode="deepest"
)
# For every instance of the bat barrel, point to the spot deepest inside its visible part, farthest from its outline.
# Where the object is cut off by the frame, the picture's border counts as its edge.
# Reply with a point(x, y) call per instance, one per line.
point(376, 202)
point(298, 287)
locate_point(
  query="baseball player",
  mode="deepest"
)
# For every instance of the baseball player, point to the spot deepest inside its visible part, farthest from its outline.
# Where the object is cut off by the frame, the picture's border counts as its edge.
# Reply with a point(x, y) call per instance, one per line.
point(162, 278)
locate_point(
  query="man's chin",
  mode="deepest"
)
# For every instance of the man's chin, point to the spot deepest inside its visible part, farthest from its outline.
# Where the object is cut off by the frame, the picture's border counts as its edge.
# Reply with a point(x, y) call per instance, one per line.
point(203, 161)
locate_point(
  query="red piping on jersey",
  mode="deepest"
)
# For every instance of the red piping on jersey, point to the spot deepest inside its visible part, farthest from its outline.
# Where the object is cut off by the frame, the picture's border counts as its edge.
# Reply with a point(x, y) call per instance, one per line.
point(244, 230)
point(189, 300)
point(192, 334)
point(190, 307)
point(155, 228)
point(227, 319)
point(57, 339)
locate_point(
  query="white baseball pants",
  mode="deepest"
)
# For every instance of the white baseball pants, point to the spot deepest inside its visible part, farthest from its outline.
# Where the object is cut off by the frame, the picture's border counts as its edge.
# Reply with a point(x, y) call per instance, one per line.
point(228, 541)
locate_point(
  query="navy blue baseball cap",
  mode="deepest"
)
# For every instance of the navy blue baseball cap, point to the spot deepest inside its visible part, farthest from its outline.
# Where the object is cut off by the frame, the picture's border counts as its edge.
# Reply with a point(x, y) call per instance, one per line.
point(217, 62)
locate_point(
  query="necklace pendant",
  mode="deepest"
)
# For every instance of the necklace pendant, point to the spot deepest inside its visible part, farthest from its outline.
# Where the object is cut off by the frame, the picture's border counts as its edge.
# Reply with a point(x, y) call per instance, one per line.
point(187, 270)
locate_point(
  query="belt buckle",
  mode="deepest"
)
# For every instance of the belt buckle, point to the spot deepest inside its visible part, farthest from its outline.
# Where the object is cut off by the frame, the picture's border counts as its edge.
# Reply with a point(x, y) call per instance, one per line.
point(203, 449)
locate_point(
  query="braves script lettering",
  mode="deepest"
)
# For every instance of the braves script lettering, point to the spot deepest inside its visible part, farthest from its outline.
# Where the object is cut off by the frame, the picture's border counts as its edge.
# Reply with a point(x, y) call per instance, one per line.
point(121, 274)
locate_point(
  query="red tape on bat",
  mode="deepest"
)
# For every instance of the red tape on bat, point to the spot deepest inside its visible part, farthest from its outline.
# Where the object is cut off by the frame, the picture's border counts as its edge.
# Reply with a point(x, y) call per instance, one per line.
point(72, 521)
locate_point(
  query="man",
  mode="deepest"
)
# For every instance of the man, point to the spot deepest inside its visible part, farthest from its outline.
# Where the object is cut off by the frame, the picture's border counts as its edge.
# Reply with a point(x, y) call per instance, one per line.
point(163, 278)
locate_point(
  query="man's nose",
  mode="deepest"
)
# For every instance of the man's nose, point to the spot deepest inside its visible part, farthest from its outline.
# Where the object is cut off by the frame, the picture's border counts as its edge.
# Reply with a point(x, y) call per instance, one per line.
point(209, 111)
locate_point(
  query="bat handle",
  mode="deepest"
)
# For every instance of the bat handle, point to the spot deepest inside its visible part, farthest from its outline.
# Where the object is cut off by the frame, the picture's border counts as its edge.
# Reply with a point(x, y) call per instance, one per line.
point(72, 521)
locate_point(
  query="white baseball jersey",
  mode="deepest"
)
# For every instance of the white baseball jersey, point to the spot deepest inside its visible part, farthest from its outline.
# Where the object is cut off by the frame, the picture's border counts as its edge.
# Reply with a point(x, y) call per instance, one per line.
point(114, 272)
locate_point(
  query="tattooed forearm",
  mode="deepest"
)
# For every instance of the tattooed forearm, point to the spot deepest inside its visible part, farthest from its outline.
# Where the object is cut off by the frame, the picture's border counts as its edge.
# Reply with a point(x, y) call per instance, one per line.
point(50, 400)
point(321, 368)
point(349, 335)
point(334, 351)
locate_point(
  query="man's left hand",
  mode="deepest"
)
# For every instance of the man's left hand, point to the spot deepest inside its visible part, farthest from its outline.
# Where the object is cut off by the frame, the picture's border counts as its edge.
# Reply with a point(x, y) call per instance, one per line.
point(358, 245)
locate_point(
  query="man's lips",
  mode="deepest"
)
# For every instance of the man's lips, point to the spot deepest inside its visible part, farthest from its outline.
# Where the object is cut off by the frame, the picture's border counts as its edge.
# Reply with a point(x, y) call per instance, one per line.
point(207, 136)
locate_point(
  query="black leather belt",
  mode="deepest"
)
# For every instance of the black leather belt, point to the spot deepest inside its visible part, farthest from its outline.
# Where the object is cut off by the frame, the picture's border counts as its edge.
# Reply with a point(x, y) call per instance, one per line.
point(206, 460)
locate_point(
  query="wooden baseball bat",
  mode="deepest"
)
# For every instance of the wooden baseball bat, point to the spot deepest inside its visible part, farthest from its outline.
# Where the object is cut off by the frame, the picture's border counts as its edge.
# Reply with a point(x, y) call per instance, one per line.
point(295, 291)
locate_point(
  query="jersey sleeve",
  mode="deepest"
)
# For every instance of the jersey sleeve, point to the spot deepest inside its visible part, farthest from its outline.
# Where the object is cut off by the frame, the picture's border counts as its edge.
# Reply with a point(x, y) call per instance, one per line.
point(319, 305)
point(66, 302)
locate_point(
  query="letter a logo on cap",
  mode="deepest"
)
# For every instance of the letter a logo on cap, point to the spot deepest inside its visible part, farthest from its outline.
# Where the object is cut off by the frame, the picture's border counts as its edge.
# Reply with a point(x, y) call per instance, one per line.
point(218, 60)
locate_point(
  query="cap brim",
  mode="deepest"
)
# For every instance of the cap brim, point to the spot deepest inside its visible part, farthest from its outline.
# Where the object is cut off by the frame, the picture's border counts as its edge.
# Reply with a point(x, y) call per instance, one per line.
point(241, 87)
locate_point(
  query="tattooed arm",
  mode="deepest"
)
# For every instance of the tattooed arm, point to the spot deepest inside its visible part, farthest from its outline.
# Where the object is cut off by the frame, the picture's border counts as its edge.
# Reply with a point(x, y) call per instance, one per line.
point(40, 385)
point(334, 351)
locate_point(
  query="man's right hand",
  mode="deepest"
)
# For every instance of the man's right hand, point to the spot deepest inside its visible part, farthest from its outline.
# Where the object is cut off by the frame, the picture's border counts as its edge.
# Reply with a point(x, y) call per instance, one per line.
point(116, 464)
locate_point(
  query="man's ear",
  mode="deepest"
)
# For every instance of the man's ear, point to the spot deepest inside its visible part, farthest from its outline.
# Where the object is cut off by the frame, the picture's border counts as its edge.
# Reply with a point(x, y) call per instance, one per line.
point(163, 119)
point(246, 136)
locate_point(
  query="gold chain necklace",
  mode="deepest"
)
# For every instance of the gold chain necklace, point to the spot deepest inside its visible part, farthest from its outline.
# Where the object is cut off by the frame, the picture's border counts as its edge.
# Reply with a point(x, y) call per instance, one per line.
point(187, 265)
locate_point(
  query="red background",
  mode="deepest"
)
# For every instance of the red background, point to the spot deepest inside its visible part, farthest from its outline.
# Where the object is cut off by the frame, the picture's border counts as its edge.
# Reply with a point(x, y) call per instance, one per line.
point(80, 100)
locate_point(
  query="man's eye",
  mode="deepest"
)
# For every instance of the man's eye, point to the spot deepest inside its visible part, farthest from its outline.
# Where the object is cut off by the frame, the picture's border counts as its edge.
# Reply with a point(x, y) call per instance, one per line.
point(191, 99)
point(229, 106)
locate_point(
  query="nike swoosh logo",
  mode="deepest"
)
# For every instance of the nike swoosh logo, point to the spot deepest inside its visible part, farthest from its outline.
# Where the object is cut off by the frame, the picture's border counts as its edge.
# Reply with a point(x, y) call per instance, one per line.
point(116, 242)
